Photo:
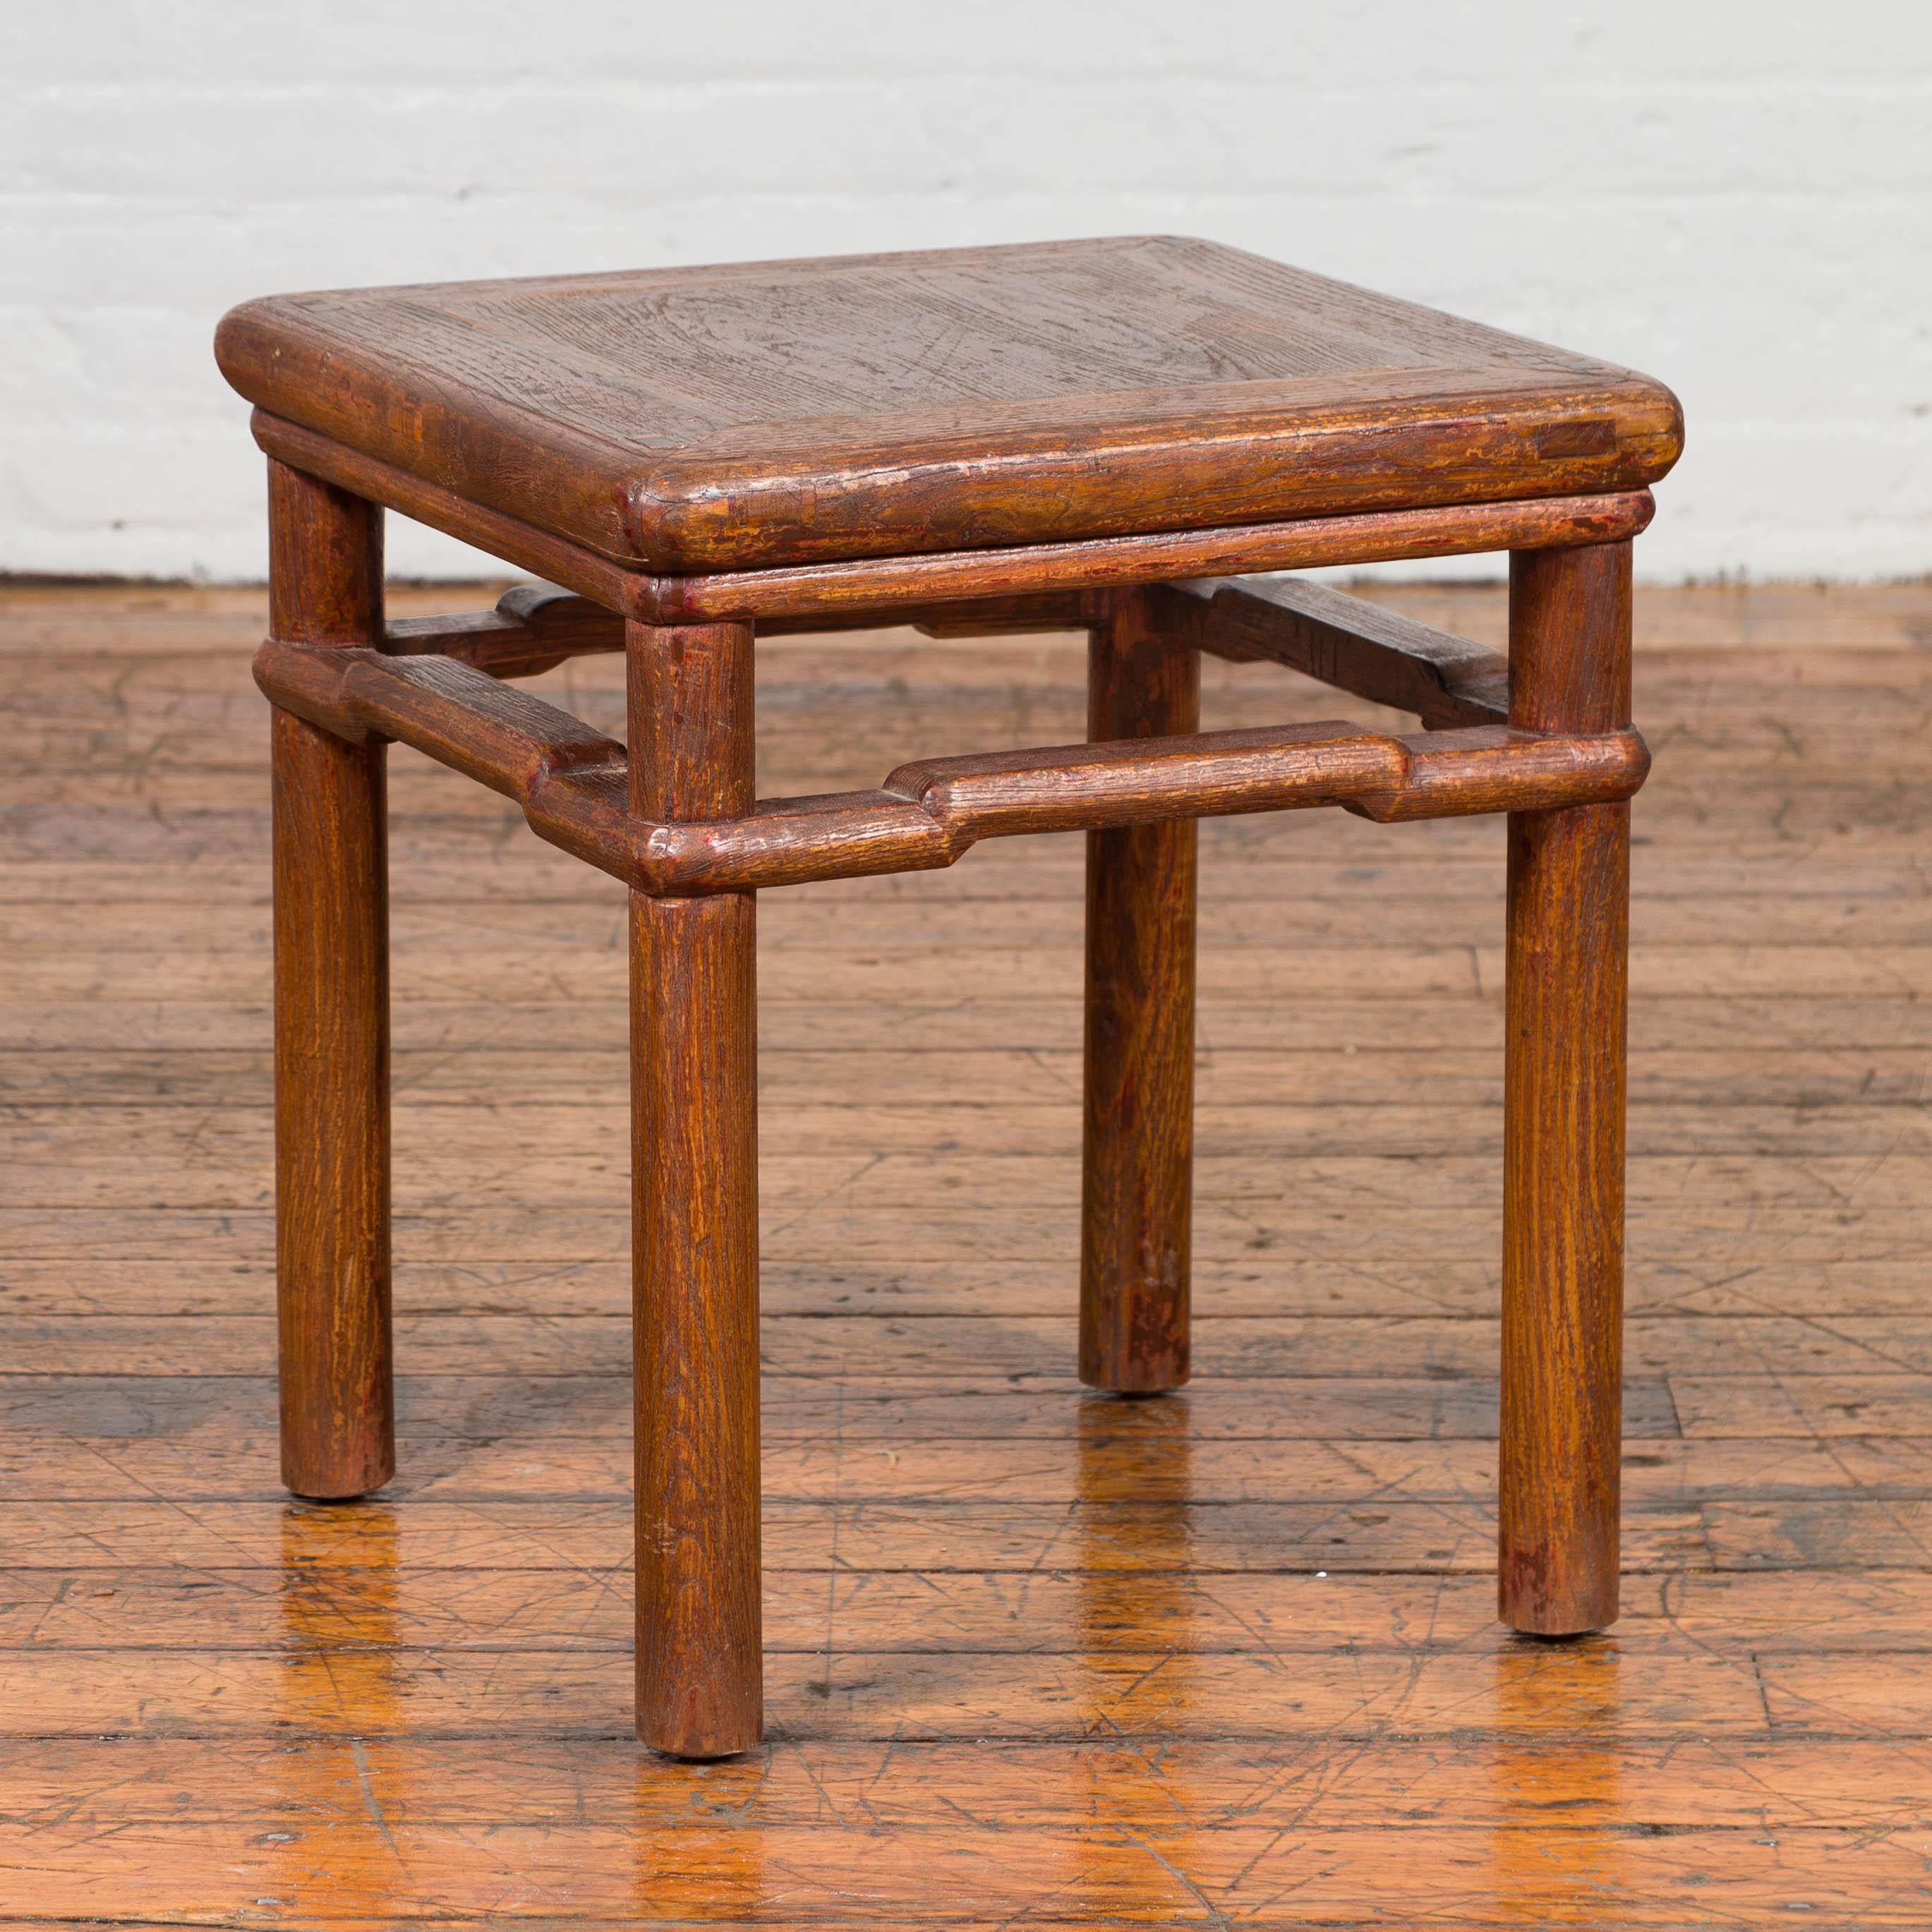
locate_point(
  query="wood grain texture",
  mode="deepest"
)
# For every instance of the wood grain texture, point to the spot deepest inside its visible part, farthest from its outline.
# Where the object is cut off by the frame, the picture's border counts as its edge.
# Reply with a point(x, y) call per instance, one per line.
point(694, 1194)
point(887, 584)
point(1137, 1164)
point(1032, 1654)
point(1563, 1100)
point(535, 627)
point(842, 590)
point(1344, 641)
point(532, 628)
point(943, 400)
point(332, 1015)
point(569, 778)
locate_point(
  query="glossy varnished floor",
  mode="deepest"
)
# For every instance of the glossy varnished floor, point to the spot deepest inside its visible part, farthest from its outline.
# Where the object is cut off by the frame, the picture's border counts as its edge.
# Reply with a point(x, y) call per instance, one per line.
point(1033, 1656)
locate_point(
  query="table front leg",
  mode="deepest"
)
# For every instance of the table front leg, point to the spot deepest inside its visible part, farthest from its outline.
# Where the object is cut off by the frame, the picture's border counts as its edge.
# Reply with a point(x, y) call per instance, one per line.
point(1563, 1127)
point(331, 948)
point(694, 1195)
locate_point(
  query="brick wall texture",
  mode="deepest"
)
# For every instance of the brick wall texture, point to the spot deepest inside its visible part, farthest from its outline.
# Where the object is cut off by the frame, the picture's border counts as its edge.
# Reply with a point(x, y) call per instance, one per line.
point(1735, 196)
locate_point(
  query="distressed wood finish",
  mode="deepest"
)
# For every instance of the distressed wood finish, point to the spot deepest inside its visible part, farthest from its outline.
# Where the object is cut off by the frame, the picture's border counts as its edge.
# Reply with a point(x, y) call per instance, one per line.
point(940, 400)
point(694, 1195)
point(1563, 1152)
point(570, 779)
point(828, 594)
point(977, 441)
point(1137, 1169)
point(532, 628)
point(1342, 641)
point(332, 1015)
point(535, 627)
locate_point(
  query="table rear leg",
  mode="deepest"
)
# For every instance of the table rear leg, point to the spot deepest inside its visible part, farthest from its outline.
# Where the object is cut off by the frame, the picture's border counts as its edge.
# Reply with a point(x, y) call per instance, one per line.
point(1137, 1176)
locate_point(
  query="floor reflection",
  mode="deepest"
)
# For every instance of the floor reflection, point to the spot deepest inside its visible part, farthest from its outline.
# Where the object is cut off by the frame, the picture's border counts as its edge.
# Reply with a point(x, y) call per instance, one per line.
point(339, 1689)
point(710, 1870)
point(1137, 1611)
point(422, 1781)
point(1575, 1779)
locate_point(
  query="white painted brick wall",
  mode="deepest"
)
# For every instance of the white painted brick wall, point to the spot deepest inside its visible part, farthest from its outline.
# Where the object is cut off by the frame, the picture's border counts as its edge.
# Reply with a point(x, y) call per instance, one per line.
point(1732, 195)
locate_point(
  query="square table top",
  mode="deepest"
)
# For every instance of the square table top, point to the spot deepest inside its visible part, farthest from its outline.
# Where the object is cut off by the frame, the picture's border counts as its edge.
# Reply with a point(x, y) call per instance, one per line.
point(704, 419)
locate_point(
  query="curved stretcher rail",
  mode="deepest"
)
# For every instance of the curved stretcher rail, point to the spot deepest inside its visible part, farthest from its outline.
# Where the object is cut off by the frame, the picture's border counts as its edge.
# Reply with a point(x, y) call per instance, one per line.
point(572, 780)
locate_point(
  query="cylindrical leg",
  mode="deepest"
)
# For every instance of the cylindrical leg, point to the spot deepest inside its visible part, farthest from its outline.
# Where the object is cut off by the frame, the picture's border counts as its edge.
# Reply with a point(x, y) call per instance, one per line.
point(1137, 1176)
point(1563, 1127)
point(331, 1015)
point(694, 1194)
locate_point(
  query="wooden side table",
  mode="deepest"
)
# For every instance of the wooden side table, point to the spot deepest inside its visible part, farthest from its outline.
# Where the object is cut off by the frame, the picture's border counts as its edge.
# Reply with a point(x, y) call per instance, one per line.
point(1093, 434)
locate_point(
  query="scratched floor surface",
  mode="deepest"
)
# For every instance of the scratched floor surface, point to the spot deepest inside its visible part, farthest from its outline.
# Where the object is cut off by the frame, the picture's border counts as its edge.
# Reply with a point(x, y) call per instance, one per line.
point(1033, 1656)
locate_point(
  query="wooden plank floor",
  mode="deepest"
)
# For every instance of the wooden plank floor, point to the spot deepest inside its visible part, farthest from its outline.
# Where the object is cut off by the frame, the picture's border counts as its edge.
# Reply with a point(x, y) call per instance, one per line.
point(1035, 1657)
